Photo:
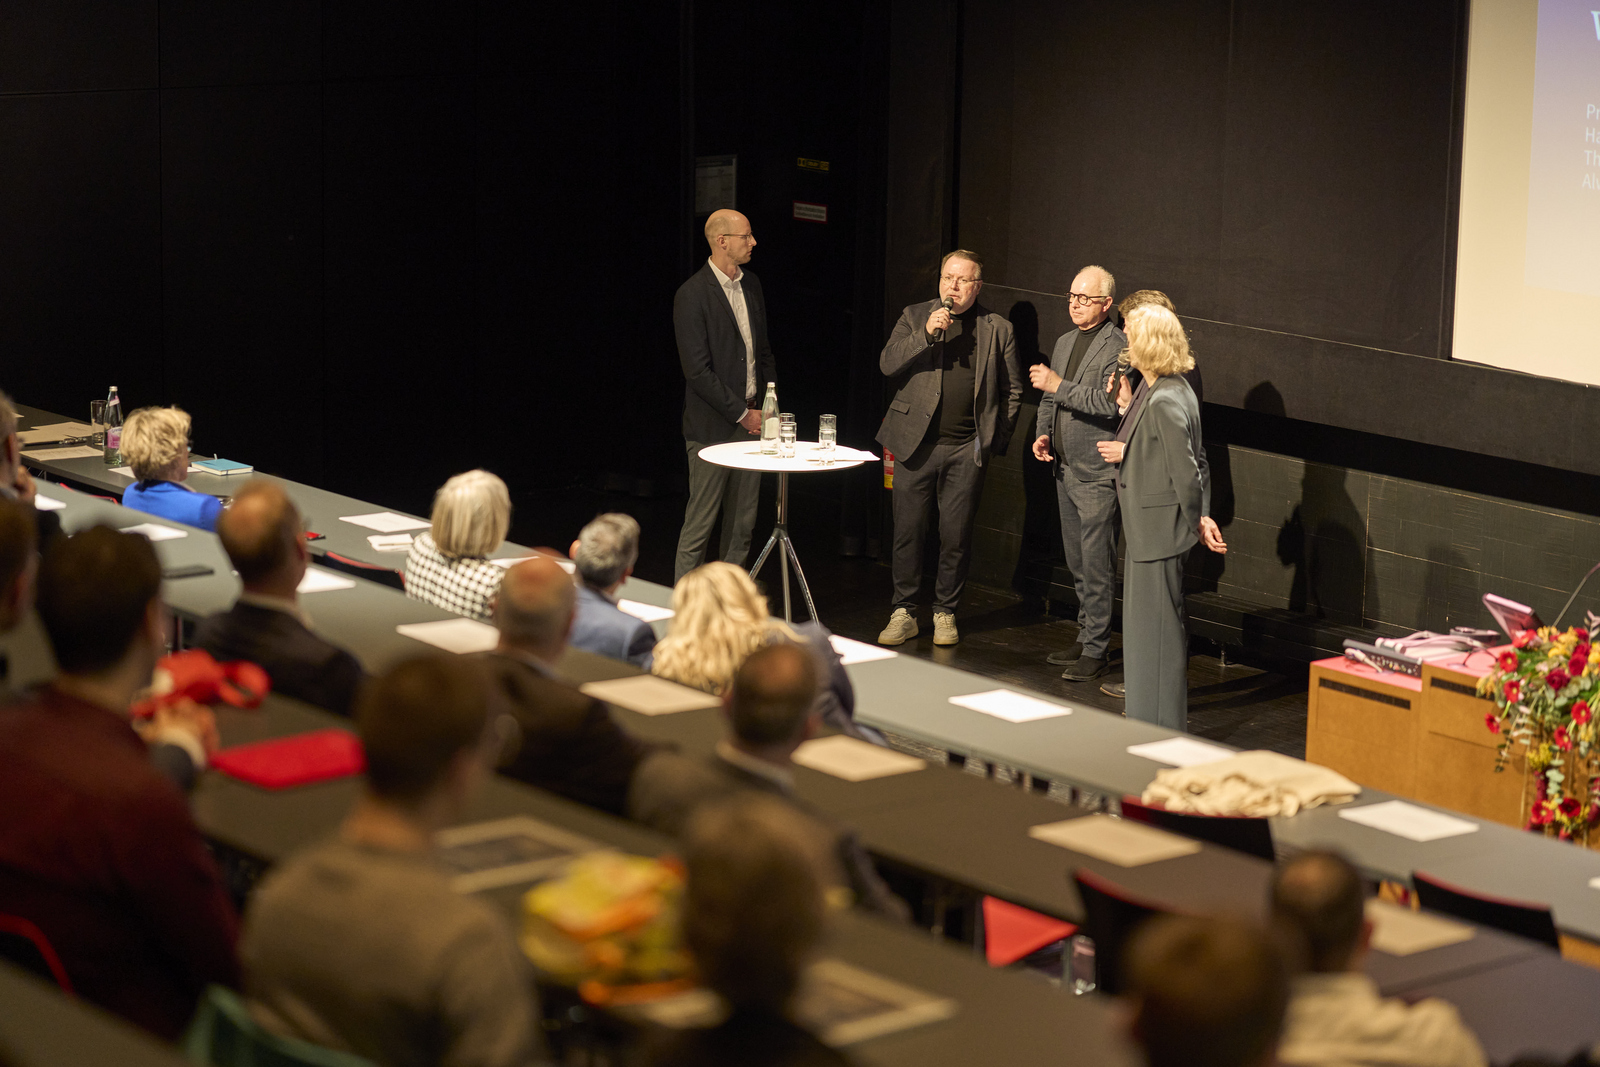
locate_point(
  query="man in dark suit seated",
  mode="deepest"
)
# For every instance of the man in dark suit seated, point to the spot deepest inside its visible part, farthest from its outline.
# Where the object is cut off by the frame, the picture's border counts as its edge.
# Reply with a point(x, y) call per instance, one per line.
point(18, 561)
point(604, 554)
point(770, 712)
point(97, 847)
point(261, 533)
point(15, 482)
point(569, 743)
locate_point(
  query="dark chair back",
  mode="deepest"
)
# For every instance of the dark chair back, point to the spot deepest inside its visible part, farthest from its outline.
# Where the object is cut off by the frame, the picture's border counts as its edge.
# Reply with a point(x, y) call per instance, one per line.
point(223, 1034)
point(1111, 915)
point(1532, 921)
point(370, 571)
point(24, 944)
point(1251, 836)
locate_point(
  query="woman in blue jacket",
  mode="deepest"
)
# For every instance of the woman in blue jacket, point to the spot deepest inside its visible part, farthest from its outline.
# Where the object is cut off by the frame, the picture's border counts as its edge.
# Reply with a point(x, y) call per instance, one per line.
point(155, 443)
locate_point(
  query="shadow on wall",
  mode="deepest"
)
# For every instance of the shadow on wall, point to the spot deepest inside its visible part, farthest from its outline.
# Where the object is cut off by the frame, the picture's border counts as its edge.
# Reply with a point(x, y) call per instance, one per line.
point(1041, 520)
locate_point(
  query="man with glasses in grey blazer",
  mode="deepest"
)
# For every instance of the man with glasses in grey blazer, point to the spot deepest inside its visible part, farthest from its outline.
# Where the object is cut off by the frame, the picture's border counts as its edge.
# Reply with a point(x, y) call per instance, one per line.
point(1076, 412)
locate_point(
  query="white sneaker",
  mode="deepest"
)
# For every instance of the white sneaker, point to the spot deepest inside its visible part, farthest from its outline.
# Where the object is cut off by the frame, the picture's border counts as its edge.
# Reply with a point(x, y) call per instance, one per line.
point(902, 628)
point(944, 628)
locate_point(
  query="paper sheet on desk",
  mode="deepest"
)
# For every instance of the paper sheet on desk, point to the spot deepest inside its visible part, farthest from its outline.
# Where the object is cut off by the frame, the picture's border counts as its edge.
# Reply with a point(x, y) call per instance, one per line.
point(853, 760)
point(644, 612)
point(155, 533)
point(1180, 752)
point(453, 635)
point(859, 651)
point(1012, 707)
point(1408, 820)
point(1403, 932)
point(511, 561)
point(1119, 841)
point(46, 455)
point(318, 580)
point(127, 472)
point(389, 542)
point(649, 695)
point(55, 431)
point(47, 503)
point(386, 522)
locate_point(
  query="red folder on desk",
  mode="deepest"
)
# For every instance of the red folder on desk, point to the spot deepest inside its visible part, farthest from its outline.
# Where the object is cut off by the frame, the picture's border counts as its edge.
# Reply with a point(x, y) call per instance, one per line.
point(300, 760)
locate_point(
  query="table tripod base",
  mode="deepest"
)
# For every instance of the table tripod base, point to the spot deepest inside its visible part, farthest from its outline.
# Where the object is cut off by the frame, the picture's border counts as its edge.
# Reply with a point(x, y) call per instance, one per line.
point(786, 554)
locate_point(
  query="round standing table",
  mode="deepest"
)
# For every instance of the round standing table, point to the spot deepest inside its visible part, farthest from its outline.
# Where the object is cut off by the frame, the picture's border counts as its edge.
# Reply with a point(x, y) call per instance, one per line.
point(747, 456)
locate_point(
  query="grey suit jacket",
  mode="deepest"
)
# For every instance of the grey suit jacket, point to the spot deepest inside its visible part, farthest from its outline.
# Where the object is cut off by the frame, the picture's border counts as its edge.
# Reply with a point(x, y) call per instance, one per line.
point(910, 360)
point(600, 626)
point(711, 352)
point(1164, 485)
point(1080, 412)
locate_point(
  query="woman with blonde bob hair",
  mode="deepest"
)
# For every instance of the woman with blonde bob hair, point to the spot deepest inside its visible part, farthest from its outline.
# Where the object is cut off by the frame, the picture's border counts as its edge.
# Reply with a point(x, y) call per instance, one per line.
point(448, 566)
point(155, 444)
point(1164, 490)
point(720, 617)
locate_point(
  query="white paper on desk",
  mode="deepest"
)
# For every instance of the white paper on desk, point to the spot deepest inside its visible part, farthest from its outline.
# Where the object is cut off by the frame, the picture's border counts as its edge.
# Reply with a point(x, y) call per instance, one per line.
point(1408, 820)
point(453, 635)
point(649, 695)
point(1594, 883)
point(854, 760)
point(645, 612)
point(1119, 841)
point(1403, 932)
point(55, 431)
point(70, 452)
point(318, 580)
point(389, 542)
point(155, 533)
point(511, 561)
point(859, 651)
point(1181, 752)
point(127, 472)
point(47, 503)
point(386, 522)
point(1012, 707)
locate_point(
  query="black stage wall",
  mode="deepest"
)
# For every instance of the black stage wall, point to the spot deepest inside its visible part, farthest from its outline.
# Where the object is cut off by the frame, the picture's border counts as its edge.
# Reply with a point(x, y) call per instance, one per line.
point(1288, 174)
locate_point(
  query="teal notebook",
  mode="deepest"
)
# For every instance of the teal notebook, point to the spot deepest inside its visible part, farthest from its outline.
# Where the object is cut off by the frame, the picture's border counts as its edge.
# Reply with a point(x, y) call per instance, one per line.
point(222, 466)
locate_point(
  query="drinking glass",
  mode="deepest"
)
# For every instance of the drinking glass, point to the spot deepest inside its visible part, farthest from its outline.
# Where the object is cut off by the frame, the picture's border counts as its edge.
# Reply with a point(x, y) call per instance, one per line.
point(97, 419)
point(1080, 965)
point(786, 436)
point(827, 437)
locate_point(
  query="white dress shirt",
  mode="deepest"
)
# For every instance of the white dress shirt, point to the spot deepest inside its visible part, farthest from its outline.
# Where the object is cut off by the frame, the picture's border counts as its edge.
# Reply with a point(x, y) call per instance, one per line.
point(734, 291)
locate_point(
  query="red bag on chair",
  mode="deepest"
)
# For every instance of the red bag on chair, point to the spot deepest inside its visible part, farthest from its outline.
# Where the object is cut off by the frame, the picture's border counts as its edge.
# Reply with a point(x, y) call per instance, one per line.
point(194, 674)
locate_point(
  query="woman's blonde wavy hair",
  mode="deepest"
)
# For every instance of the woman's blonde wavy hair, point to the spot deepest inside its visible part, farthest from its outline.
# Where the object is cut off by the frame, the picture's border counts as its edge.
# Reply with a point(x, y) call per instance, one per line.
point(1157, 343)
point(720, 617)
point(154, 439)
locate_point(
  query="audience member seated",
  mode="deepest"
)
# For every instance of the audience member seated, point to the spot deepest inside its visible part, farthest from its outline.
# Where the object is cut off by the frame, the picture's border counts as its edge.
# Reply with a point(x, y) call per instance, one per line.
point(1205, 993)
point(720, 617)
point(753, 914)
point(15, 482)
point(449, 564)
point(155, 443)
point(569, 743)
point(360, 943)
point(770, 710)
point(1336, 1015)
point(261, 532)
point(97, 848)
point(604, 554)
point(19, 561)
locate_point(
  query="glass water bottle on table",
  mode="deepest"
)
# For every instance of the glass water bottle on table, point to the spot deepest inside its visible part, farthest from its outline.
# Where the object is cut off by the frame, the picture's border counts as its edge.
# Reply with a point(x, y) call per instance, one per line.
point(769, 421)
point(112, 450)
point(827, 438)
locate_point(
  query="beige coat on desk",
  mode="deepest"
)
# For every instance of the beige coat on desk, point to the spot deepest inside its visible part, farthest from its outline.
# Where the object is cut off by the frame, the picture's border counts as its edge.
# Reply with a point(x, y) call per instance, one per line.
point(1259, 783)
point(1339, 1020)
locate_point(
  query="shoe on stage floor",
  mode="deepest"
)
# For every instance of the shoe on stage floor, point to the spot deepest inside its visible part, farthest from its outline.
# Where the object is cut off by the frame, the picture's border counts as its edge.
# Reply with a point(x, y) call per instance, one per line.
point(1066, 656)
point(944, 628)
point(1118, 690)
point(1085, 669)
point(902, 628)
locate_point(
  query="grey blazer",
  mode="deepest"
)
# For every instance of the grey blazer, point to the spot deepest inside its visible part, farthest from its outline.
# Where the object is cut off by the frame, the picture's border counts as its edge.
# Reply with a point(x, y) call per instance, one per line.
point(711, 352)
point(1164, 485)
point(910, 361)
point(1080, 412)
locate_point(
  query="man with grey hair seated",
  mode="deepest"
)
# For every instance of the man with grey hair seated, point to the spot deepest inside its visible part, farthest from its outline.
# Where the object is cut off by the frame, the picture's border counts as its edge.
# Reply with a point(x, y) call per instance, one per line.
point(605, 553)
point(568, 742)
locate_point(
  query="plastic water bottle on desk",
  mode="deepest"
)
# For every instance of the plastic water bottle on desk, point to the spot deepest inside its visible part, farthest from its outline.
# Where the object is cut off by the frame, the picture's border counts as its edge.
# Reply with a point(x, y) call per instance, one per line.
point(769, 421)
point(111, 452)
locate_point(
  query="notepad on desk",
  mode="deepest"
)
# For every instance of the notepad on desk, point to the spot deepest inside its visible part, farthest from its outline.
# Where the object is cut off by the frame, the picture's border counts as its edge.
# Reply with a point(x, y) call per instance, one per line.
point(223, 467)
point(649, 695)
point(1010, 706)
point(153, 532)
point(1409, 821)
point(1119, 841)
point(317, 580)
point(48, 455)
point(386, 522)
point(55, 431)
point(644, 612)
point(851, 652)
point(452, 635)
point(854, 760)
point(1181, 752)
point(390, 542)
point(47, 503)
point(1403, 932)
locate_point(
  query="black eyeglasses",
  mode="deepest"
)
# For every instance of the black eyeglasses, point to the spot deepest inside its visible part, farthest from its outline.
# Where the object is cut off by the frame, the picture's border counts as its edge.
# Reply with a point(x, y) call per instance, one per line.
point(1080, 299)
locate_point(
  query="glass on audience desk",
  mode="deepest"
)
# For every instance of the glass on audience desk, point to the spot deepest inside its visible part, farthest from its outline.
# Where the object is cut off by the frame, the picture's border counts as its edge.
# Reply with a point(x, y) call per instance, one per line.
point(807, 457)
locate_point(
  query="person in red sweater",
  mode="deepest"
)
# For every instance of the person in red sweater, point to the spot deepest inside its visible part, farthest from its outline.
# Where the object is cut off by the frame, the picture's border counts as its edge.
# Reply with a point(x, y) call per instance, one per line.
point(97, 847)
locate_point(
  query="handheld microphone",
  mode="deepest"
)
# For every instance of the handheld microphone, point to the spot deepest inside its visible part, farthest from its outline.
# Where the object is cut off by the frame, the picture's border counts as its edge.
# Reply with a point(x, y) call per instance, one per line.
point(938, 335)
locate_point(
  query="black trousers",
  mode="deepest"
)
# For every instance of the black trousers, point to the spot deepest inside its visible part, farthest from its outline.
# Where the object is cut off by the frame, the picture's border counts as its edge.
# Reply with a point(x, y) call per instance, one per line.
point(943, 474)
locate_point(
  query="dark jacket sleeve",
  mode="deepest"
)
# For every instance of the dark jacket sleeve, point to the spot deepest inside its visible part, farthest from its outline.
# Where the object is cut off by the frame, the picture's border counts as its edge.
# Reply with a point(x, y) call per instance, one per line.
point(1045, 424)
point(1177, 436)
point(175, 765)
point(872, 893)
point(689, 323)
point(641, 646)
point(1089, 395)
point(908, 341)
point(345, 678)
point(836, 696)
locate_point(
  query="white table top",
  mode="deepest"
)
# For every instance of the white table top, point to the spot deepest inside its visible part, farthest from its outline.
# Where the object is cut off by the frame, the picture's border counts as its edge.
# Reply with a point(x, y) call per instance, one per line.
point(746, 455)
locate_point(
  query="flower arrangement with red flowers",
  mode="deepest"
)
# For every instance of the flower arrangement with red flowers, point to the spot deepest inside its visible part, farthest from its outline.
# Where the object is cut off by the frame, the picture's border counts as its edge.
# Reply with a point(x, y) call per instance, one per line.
point(1546, 688)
